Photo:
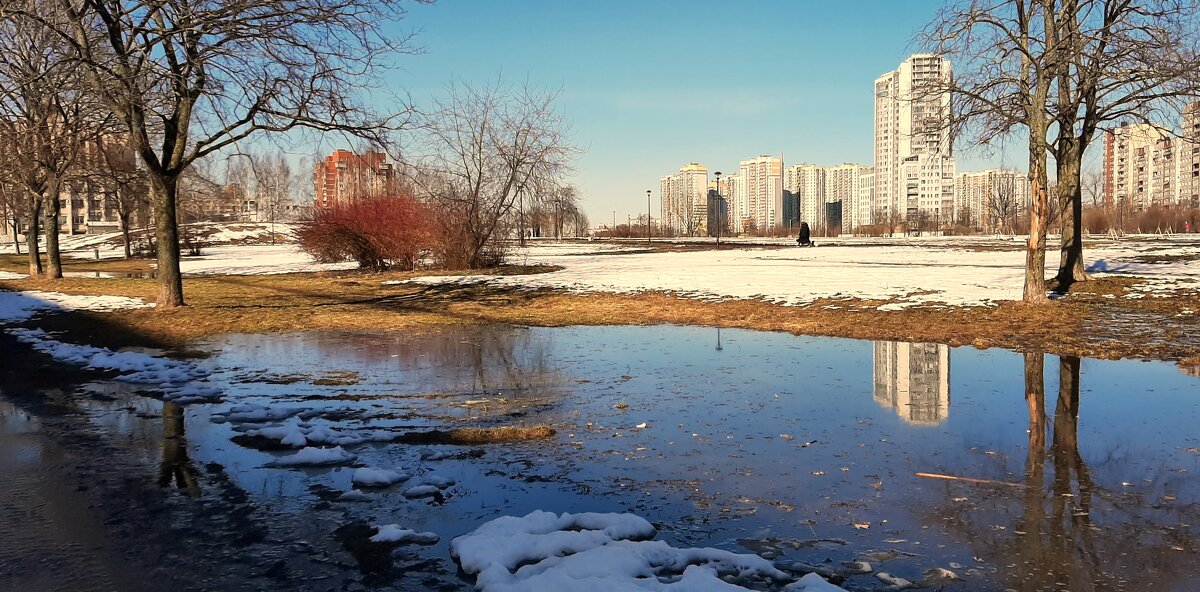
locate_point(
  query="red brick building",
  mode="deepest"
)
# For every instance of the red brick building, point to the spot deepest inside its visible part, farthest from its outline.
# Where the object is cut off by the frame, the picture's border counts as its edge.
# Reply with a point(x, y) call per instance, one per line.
point(345, 177)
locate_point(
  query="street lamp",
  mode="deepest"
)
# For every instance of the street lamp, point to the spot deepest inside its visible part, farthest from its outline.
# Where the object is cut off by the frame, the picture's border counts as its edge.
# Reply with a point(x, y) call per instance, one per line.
point(718, 173)
point(647, 215)
point(612, 232)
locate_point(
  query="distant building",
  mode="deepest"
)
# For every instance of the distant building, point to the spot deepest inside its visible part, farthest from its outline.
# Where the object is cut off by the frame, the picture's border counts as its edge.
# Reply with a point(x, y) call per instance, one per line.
point(1150, 166)
point(761, 179)
point(345, 177)
point(804, 184)
point(685, 199)
point(914, 164)
point(914, 380)
point(990, 200)
point(843, 185)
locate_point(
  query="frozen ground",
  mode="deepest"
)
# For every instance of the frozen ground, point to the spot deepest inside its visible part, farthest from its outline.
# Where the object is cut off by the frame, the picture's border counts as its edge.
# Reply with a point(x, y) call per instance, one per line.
point(931, 271)
point(953, 271)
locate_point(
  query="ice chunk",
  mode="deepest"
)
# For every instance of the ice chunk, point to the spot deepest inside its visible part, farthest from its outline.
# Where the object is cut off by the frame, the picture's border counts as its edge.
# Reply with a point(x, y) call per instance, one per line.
point(310, 456)
point(421, 491)
point(437, 481)
point(812, 583)
point(376, 477)
point(392, 533)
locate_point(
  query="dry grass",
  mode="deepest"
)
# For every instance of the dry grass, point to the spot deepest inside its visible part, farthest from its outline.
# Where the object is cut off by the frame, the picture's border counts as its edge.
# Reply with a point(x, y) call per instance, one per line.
point(476, 436)
point(358, 301)
point(20, 264)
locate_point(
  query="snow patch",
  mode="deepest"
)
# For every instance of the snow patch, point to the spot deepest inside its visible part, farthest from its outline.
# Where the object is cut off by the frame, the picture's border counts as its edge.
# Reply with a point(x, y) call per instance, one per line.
point(21, 306)
point(314, 457)
point(596, 552)
point(392, 533)
point(370, 477)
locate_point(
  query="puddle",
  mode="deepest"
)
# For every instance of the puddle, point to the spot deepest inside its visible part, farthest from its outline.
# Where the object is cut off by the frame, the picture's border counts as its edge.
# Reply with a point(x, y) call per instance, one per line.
point(1015, 472)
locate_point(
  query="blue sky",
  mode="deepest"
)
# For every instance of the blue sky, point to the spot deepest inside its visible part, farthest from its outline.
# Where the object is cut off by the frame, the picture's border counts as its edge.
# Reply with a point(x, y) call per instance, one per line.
point(649, 86)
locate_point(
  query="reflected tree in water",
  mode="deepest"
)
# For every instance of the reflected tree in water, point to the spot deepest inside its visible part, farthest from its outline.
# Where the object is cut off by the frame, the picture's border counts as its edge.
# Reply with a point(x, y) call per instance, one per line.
point(1067, 532)
point(176, 468)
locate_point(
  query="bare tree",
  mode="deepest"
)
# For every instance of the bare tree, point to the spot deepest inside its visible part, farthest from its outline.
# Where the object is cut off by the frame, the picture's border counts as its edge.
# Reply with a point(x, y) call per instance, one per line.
point(46, 118)
point(10, 209)
point(188, 79)
point(486, 147)
point(1003, 203)
point(1009, 55)
point(116, 167)
point(1092, 183)
point(1121, 60)
point(273, 186)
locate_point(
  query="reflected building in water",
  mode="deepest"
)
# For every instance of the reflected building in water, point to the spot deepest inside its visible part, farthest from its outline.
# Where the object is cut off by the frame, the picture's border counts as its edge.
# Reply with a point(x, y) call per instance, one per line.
point(913, 379)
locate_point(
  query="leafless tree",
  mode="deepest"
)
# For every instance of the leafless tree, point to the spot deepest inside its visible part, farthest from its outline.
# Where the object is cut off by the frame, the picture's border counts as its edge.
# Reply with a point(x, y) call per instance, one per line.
point(191, 78)
point(1007, 54)
point(1003, 203)
point(1122, 60)
point(486, 146)
point(116, 167)
point(10, 209)
point(1093, 187)
point(46, 118)
point(273, 185)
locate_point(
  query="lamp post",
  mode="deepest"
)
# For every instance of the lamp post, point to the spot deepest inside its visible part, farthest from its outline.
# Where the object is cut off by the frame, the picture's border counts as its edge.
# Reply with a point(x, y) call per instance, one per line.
point(647, 215)
point(718, 174)
point(612, 231)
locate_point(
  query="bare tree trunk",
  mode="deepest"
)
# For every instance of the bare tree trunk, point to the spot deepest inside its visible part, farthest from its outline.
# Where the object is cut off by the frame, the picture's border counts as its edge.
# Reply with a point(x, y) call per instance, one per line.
point(31, 236)
point(1035, 252)
point(124, 216)
point(170, 281)
point(16, 225)
point(53, 215)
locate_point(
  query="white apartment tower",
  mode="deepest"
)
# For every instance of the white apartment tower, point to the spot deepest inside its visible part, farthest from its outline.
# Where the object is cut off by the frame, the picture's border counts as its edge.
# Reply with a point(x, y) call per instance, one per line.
point(843, 183)
point(761, 179)
point(684, 199)
point(806, 184)
point(914, 164)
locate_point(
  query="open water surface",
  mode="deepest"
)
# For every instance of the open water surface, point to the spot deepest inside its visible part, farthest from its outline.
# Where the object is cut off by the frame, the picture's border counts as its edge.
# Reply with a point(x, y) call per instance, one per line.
point(1015, 471)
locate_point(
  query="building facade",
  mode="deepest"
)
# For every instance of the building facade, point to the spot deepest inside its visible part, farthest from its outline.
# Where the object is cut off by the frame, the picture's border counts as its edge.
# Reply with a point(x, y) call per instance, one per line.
point(761, 180)
point(684, 199)
point(991, 200)
point(804, 185)
point(1148, 166)
point(843, 184)
point(345, 177)
point(914, 165)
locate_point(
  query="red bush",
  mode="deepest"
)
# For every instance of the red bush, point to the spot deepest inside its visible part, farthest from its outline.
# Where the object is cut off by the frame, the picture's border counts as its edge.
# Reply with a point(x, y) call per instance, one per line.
point(378, 233)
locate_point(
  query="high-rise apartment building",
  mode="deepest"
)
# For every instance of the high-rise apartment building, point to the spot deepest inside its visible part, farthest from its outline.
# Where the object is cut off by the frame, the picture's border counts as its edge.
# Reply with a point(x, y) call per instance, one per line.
point(804, 184)
point(345, 177)
point(761, 179)
point(914, 380)
point(684, 199)
point(1150, 166)
point(914, 164)
point(990, 200)
point(843, 184)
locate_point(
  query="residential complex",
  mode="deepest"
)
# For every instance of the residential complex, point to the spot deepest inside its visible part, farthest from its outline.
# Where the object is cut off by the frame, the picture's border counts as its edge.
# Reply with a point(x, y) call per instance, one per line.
point(914, 164)
point(759, 194)
point(914, 380)
point(991, 200)
point(1148, 166)
point(804, 192)
point(345, 177)
point(685, 200)
point(836, 198)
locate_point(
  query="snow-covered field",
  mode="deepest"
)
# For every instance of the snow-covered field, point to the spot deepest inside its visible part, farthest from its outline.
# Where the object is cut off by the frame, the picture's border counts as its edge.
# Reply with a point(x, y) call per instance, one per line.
point(968, 271)
point(929, 271)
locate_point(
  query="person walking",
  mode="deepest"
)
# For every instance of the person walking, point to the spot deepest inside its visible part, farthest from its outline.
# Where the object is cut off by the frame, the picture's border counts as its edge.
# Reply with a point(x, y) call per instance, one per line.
point(804, 240)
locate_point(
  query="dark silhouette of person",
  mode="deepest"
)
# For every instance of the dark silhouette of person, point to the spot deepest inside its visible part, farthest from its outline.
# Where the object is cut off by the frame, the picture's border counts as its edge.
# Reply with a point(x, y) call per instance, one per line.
point(803, 240)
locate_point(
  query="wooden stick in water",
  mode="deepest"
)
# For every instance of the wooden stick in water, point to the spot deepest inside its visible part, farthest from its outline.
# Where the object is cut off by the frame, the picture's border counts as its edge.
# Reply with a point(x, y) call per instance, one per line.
point(969, 480)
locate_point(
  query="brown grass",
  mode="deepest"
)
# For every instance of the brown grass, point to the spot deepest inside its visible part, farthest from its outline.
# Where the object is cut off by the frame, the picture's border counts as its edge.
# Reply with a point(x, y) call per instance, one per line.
point(358, 301)
point(476, 436)
point(20, 264)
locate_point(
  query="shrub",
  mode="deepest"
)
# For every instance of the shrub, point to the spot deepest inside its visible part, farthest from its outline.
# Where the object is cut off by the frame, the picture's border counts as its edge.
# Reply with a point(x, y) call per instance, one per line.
point(378, 233)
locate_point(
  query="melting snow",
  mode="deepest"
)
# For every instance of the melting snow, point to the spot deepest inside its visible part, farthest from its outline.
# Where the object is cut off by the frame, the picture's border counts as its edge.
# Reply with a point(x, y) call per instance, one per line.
point(311, 457)
point(392, 533)
point(596, 552)
point(376, 477)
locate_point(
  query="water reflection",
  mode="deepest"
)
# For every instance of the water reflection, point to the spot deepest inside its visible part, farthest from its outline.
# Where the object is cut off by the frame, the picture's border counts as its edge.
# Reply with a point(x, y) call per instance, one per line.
point(175, 467)
point(914, 380)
